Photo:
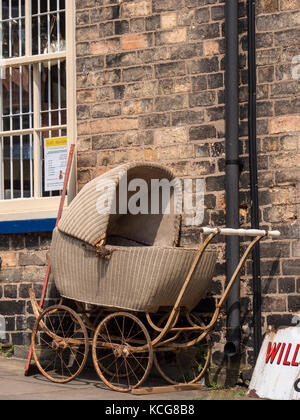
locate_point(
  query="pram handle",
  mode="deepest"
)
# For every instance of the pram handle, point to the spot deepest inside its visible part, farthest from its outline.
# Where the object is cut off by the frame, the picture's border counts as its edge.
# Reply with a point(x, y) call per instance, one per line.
point(241, 232)
point(257, 233)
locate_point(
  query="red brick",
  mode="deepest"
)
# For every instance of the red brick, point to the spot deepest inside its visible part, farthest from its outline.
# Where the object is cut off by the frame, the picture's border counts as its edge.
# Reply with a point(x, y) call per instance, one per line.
point(289, 4)
point(107, 125)
point(86, 96)
point(9, 259)
point(171, 37)
point(285, 124)
point(87, 33)
point(168, 20)
point(141, 8)
point(269, 6)
point(211, 47)
point(104, 47)
point(134, 41)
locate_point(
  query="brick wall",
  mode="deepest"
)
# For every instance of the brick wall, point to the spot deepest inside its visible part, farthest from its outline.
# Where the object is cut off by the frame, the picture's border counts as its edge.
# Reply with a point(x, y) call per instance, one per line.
point(278, 38)
point(24, 260)
point(150, 87)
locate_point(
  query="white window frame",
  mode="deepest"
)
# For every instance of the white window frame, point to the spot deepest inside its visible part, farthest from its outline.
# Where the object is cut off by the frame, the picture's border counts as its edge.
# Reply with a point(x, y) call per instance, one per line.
point(45, 207)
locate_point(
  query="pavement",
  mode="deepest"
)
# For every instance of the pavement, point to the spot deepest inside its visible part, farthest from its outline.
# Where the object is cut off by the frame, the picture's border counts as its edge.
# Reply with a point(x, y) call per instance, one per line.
point(15, 386)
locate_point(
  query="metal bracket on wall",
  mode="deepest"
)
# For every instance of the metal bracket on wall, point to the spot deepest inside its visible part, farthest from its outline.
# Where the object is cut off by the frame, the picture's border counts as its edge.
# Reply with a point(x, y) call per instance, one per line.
point(235, 162)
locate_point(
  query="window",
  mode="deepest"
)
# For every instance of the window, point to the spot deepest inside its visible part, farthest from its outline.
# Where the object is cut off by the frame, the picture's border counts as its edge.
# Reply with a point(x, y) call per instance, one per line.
point(37, 82)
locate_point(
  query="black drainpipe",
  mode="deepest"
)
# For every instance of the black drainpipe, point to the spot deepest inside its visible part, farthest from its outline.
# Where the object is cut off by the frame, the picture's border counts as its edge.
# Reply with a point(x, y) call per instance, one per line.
point(253, 175)
point(232, 174)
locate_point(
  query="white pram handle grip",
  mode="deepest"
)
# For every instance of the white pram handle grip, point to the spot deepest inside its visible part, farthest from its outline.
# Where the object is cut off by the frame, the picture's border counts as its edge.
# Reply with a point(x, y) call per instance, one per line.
point(241, 232)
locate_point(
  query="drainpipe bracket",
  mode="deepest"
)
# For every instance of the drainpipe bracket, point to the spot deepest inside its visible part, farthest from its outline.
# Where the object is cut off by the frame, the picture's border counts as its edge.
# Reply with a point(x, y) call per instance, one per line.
point(236, 162)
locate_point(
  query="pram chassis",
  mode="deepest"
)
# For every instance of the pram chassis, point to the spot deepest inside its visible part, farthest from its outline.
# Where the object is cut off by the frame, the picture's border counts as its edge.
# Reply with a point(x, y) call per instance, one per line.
point(104, 329)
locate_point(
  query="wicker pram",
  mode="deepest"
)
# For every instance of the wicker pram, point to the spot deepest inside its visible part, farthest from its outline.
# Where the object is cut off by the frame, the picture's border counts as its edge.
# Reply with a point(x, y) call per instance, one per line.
point(141, 286)
point(144, 269)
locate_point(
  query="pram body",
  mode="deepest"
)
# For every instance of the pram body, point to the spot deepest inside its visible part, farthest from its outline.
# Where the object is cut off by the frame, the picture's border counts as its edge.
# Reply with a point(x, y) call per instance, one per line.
point(134, 288)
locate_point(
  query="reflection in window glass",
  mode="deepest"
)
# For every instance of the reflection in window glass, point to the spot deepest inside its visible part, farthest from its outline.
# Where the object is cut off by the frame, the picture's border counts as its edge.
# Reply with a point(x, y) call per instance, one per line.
point(17, 151)
point(48, 27)
point(43, 6)
point(53, 104)
point(16, 93)
point(18, 166)
point(53, 93)
point(12, 28)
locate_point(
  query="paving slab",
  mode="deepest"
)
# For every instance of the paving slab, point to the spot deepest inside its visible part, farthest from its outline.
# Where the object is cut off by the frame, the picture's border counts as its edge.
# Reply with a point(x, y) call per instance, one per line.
point(15, 386)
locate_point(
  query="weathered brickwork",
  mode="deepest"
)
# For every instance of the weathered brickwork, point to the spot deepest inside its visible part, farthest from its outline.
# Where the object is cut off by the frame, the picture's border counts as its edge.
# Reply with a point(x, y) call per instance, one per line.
point(150, 87)
point(24, 260)
point(278, 43)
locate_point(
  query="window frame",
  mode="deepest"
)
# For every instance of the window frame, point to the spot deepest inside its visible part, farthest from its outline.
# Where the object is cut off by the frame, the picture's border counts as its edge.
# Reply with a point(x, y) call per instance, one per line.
point(38, 207)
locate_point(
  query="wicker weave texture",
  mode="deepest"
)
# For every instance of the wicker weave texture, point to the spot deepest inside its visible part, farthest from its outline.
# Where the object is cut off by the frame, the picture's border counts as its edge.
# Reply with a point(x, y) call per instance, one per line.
point(133, 278)
point(83, 221)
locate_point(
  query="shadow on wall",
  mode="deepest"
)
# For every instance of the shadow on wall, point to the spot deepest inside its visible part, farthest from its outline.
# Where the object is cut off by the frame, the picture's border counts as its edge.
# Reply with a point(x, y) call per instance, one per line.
point(227, 373)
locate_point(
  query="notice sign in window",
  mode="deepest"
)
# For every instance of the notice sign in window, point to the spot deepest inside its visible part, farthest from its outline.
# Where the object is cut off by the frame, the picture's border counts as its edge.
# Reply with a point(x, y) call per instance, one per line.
point(55, 155)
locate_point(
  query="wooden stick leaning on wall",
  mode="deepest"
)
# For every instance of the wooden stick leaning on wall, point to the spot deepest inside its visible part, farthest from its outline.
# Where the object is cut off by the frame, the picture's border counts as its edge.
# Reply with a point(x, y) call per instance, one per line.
point(47, 275)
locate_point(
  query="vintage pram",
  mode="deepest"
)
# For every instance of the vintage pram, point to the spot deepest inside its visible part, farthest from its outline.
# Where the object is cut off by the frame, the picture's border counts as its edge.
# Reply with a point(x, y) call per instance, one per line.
point(133, 287)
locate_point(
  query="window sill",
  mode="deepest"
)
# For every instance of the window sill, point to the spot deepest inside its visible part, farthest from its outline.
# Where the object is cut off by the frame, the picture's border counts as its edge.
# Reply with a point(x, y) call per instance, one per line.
point(28, 215)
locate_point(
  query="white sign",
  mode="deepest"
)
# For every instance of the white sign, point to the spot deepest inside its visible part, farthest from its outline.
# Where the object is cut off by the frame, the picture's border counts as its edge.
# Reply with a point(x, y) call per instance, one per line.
point(277, 371)
point(2, 328)
point(2, 68)
point(56, 155)
point(296, 67)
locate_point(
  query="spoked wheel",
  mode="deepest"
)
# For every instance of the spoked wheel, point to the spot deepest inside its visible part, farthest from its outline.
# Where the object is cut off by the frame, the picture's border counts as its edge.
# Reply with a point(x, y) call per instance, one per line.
point(122, 351)
point(179, 363)
point(59, 344)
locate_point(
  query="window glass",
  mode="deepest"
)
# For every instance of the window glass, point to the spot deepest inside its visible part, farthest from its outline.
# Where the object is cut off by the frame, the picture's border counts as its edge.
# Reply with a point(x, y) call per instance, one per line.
point(18, 167)
point(17, 111)
point(12, 28)
point(48, 26)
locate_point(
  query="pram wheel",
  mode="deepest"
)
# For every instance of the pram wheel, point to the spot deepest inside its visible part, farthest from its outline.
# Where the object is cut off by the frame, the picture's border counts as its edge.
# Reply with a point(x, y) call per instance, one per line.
point(122, 351)
point(183, 361)
point(59, 344)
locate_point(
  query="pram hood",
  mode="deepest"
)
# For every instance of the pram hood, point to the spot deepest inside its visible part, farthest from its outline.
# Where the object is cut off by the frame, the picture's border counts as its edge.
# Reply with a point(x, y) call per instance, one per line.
point(95, 214)
point(144, 270)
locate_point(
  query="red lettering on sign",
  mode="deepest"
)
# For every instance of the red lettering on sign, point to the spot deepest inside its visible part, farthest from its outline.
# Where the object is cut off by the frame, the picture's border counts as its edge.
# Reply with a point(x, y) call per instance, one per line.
point(294, 363)
point(281, 353)
point(272, 351)
point(286, 362)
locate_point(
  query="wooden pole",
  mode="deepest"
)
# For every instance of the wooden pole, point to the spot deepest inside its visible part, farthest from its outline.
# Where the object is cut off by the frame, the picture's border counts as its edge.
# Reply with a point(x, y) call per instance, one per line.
point(166, 389)
point(46, 280)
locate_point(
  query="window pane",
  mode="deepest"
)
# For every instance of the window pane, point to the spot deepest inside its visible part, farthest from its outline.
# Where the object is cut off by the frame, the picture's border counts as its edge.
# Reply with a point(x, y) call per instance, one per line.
point(5, 9)
point(15, 10)
point(53, 106)
point(53, 93)
point(16, 152)
point(12, 28)
point(43, 6)
point(16, 104)
point(48, 26)
point(18, 167)
point(16, 93)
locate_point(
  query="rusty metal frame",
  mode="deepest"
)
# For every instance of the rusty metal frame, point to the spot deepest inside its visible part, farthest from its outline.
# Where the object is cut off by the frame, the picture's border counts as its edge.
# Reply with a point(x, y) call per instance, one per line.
point(159, 343)
point(175, 311)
